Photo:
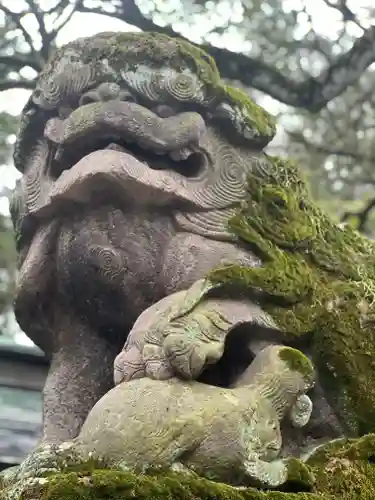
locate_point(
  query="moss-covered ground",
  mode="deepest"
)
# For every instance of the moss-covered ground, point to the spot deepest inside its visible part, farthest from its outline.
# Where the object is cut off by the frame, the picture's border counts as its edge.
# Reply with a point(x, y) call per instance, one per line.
point(344, 469)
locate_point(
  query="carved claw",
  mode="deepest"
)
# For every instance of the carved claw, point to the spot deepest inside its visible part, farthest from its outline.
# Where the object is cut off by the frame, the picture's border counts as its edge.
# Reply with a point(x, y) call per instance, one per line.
point(128, 365)
point(156, 366)
point(190, 355)
point(182, 334)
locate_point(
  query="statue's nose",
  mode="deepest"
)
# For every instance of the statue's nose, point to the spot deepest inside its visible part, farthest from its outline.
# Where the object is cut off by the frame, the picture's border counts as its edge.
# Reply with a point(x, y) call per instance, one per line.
point(107, 91)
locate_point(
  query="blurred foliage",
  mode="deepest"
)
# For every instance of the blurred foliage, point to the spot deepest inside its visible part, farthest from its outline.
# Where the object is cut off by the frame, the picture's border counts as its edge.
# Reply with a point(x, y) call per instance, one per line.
point(310, 62)
point(8, 129)
point(7, 271)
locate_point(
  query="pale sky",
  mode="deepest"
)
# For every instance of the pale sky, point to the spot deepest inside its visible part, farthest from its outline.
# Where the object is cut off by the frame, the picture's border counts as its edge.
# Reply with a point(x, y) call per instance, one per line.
point(326, 22)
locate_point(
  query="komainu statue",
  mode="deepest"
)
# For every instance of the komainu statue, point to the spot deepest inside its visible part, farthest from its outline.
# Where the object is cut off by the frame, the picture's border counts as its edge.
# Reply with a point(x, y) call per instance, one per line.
point(206, 322)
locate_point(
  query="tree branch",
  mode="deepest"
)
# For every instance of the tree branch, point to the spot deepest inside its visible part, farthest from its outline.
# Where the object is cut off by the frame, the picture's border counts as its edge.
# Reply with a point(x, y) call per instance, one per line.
point(299, 137)
point(35, 59)
point(313, 94)
point(60, 23)
point(19, 61)
point(347, 14)
point(361, 215)
point(16, 19)
point(39, 16)
point(17, 84)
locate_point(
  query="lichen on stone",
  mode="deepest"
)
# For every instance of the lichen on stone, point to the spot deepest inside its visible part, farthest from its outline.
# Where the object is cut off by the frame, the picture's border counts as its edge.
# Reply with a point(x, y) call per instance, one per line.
point(317, 282)
point(297, 361)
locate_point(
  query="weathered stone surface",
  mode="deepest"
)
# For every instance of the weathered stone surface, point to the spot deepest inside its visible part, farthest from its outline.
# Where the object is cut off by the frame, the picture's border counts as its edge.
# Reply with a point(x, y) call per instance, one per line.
point(115, 167)
point(185, 333)
point(131, 146)
point(229, 435)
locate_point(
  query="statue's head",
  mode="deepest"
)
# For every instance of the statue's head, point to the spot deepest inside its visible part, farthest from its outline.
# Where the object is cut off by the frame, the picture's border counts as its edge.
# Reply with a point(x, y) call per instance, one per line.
point(286, 365)
point(134, 118)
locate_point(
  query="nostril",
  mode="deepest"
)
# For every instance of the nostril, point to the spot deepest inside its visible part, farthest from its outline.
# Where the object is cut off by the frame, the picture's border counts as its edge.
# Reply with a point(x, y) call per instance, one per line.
point(110, 91)
point(126, 96)
point(106, 92)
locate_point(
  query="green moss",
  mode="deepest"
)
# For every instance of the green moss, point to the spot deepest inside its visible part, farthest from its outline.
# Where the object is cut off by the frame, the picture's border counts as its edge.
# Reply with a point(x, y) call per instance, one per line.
point(300, 476)
point(318, 282)
point(297, 361)
point(255, 116)
point(362, 449)
point(115, 485)
point(343, 468)
point(152, 49)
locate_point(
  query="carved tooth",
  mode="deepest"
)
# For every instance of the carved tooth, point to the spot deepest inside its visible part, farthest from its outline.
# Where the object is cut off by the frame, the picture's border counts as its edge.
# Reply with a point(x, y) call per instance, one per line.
point(115, 147)
point(185, 153)
point(59, 153)
point(175, 155)
point(182, 154)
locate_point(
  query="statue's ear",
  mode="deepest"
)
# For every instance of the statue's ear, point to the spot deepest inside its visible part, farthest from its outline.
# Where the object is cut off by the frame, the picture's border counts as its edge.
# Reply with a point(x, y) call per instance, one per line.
point(31, 125)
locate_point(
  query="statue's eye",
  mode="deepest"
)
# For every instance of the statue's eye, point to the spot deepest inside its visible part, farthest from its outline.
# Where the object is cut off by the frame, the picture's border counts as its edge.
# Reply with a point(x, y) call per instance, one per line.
point(302, 205)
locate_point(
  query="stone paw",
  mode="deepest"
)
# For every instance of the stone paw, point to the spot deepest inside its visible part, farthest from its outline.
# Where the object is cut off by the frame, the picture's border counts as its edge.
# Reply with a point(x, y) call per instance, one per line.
point(190, 355)
point(182, 334)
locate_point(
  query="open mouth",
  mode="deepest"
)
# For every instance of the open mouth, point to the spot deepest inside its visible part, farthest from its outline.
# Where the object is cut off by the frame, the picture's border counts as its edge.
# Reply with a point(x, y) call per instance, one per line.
point(171, 143)
point(186, 162)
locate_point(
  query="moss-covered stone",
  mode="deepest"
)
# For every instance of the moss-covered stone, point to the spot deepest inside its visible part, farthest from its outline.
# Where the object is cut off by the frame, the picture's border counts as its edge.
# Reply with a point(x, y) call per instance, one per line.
point(109, 54)
point(345, 468)
point(158, 51)
point(297, 361)
point(342, 469)
point(115, 485)
point(318, 283)
point(300, 476)
point(155, 51)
